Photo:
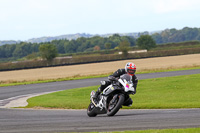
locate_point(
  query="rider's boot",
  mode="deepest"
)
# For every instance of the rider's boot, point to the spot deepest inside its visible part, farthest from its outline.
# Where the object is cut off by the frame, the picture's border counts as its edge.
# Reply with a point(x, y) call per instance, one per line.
point(128, 102)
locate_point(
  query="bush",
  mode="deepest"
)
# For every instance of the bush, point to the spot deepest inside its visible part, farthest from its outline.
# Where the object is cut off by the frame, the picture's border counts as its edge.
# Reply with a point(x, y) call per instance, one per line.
point(93, 59)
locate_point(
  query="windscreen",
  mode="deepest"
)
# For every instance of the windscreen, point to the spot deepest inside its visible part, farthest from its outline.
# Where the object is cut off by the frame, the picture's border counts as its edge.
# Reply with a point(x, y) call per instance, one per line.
point(126, 77)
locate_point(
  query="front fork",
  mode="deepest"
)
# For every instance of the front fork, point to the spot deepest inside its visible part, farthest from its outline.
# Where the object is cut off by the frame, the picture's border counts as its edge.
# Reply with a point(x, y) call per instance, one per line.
point(101, 104)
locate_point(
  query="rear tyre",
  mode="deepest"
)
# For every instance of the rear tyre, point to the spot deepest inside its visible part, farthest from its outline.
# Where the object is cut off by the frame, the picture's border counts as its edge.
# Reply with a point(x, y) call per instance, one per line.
point(115, 104)
point(91, 110)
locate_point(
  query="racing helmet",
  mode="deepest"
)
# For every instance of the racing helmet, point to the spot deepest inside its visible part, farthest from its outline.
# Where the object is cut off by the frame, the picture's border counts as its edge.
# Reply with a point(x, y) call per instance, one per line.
point(130, 68)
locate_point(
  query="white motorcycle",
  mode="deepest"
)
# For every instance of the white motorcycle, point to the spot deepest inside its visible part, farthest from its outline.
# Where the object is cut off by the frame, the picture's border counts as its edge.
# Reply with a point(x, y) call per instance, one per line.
point(112, 98)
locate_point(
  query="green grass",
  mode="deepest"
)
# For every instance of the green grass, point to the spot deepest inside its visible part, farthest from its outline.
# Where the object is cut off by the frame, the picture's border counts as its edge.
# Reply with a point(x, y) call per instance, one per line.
point(14, 83)
point(158, 93)
point(169, 92)
point(187, 130)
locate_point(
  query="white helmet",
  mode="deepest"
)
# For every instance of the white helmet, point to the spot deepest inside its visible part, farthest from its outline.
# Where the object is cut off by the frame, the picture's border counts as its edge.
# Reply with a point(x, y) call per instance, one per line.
point(130, 68)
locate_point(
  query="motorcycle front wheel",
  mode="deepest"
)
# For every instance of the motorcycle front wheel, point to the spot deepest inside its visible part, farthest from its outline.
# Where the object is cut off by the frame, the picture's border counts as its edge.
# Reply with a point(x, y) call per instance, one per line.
point(91, 110)
point(115, 104)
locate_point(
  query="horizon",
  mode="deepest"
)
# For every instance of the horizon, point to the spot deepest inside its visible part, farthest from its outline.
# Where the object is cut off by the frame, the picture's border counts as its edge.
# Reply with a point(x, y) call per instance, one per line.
point(27, 19)
point(82, 33)
point(95, 34)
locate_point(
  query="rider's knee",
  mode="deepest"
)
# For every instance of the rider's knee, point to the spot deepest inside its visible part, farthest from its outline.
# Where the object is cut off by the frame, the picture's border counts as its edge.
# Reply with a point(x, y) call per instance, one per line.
point(128, 102)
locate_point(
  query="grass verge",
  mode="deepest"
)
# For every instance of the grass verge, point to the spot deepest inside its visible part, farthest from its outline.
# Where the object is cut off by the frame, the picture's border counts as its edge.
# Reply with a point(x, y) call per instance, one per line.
point(14, 83)
point(158, 93)
point(187, 130)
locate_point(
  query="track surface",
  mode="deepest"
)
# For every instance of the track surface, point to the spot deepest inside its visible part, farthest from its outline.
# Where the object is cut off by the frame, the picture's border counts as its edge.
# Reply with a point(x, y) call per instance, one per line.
point(77, 121)
point(20, 120)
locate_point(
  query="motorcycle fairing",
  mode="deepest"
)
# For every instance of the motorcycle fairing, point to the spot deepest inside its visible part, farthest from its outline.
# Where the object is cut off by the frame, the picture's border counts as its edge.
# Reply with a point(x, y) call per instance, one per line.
point(111, 89)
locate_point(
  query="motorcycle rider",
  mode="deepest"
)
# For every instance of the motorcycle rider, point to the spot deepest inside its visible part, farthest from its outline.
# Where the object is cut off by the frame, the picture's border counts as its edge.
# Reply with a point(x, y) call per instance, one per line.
point(130, 68)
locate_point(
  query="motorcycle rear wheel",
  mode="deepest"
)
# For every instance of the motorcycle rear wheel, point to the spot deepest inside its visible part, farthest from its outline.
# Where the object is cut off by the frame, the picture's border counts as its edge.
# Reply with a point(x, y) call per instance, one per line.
point(91, 110)
point(115, 104)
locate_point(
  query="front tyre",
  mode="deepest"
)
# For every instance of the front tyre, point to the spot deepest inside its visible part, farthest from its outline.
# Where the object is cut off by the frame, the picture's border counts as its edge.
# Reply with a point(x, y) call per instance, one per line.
point(91, 110)
point(115, 104)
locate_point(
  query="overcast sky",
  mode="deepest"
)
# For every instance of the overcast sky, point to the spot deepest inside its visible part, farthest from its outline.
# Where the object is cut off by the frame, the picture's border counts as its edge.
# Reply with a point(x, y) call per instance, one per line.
point(26, 19)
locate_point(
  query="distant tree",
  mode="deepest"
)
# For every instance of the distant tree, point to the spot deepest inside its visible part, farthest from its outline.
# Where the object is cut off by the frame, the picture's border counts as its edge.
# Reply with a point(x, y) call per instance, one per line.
point(60, 46)
point(48, 51)
point(8, 50)
point(146, 42)
point(157, 37)
point(2, 53)
point(124, 47)
point(97, 48)
point(32, 56)
point(21, 50)
point(96, 40)
point(190, 33)
point(131, 40)
point(107, 45)
point(115, 39)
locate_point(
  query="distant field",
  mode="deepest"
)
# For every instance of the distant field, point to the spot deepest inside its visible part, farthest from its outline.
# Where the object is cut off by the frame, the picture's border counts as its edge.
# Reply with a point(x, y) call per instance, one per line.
point(100, 68)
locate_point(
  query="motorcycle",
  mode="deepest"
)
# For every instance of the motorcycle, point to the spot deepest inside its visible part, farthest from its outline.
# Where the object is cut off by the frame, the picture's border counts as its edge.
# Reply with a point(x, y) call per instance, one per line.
point(112, 98)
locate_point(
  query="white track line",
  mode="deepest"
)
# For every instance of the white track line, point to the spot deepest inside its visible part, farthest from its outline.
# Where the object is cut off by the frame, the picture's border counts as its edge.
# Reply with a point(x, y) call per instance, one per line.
point(20, 101)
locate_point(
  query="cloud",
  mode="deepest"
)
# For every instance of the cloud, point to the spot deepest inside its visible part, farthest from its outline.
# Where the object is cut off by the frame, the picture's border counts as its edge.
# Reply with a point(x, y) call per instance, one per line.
point(169, 6)
point(50, 17)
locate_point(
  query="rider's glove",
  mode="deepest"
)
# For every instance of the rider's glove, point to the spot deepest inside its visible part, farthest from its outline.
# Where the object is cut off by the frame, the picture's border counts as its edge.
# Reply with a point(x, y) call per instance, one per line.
point(112, 78)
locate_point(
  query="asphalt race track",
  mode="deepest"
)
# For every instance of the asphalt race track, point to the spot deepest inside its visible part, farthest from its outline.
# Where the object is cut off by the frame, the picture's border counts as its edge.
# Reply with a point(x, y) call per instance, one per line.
point(14, 120)
point(28, 120)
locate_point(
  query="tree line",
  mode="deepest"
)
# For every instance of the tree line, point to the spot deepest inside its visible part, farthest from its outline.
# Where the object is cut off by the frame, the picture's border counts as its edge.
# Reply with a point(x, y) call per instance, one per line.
point(66, 46)
point(174, 35)
point(96, 43)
